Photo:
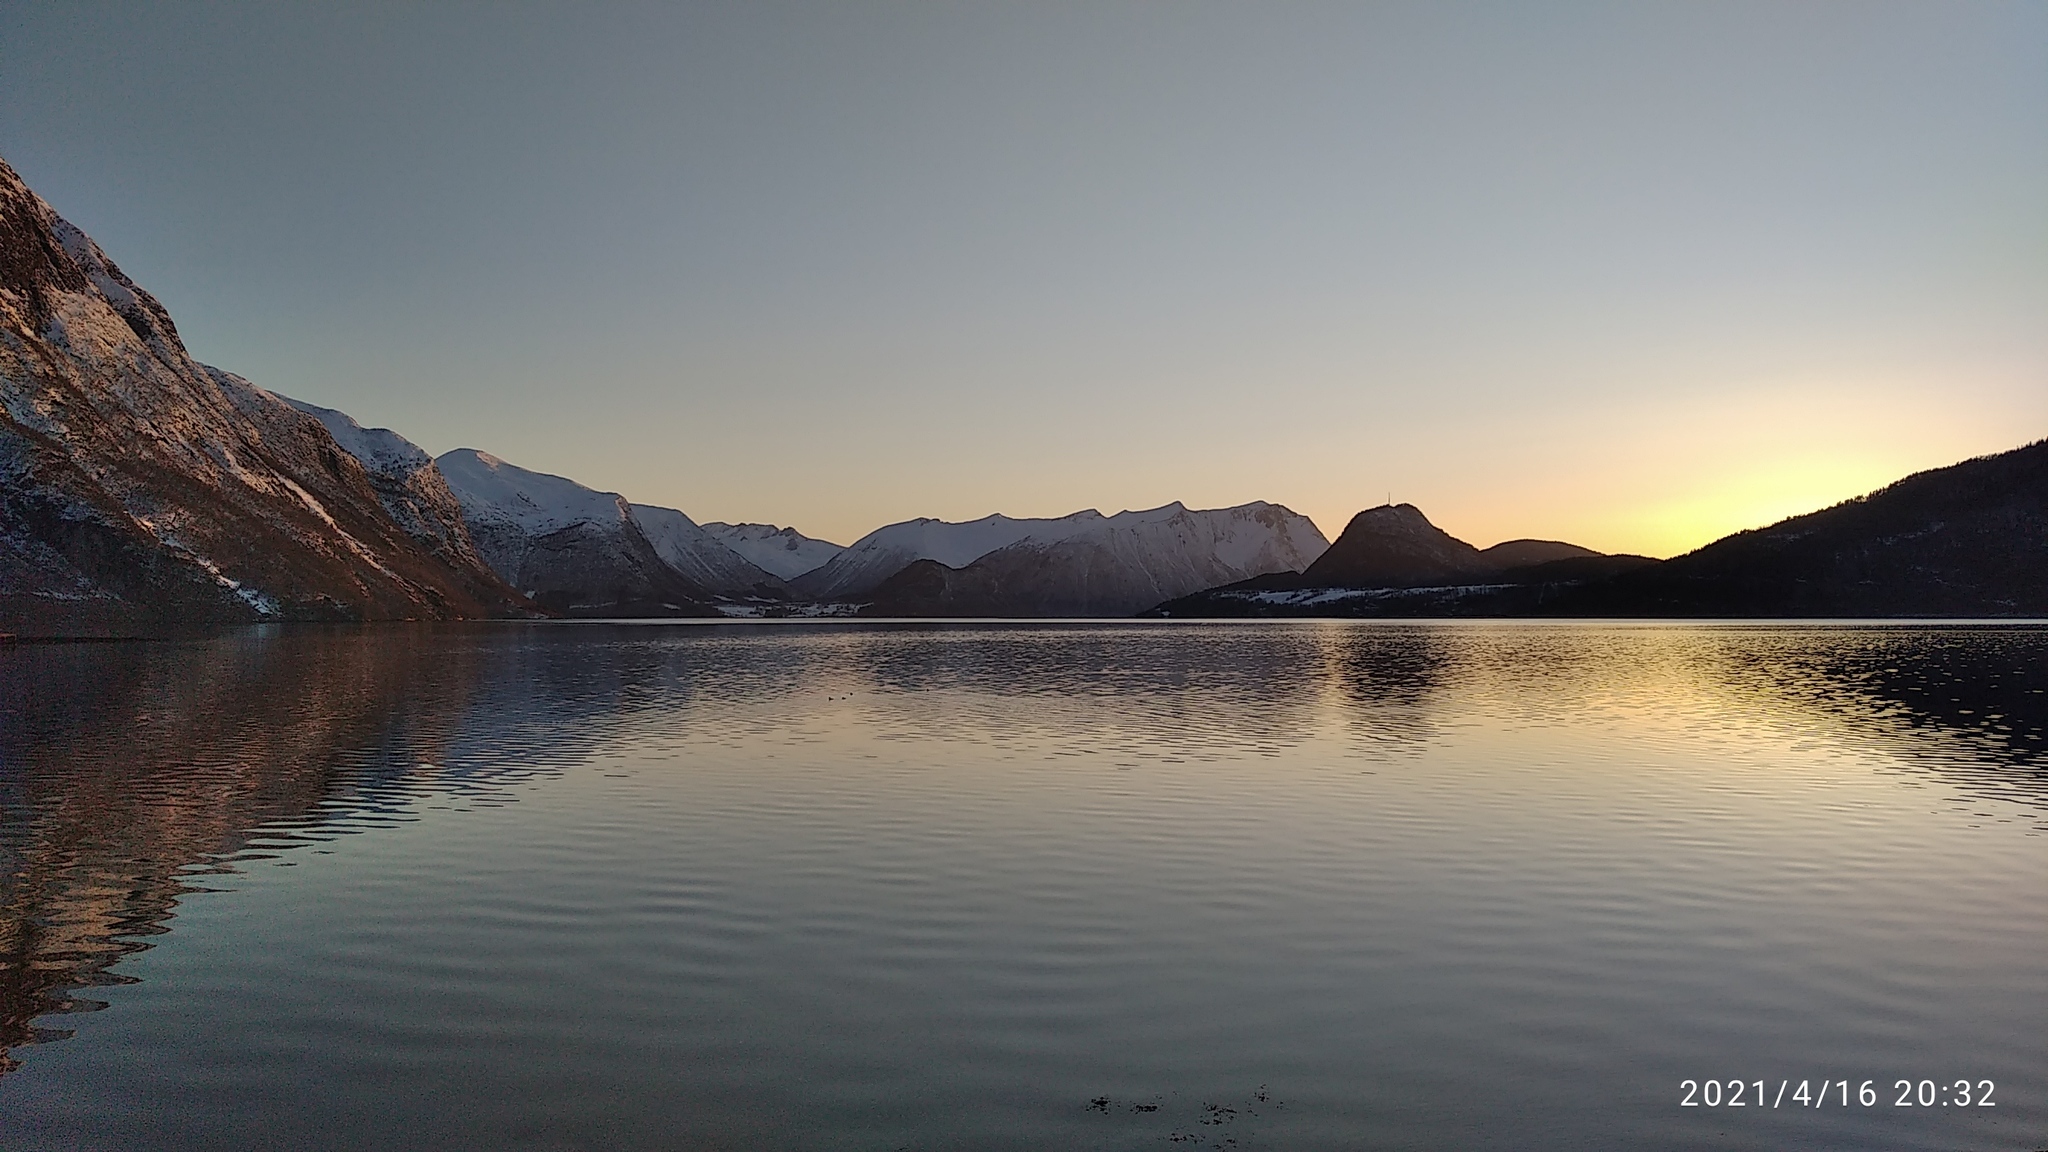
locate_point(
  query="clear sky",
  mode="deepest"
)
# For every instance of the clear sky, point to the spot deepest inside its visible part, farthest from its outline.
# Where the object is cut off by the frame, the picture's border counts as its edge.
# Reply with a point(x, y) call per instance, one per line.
point(1633, 275)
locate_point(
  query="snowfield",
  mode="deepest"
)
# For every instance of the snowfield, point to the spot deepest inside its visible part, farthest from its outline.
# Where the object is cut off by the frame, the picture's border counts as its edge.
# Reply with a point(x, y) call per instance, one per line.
point(785, 552)
point(1215, 545)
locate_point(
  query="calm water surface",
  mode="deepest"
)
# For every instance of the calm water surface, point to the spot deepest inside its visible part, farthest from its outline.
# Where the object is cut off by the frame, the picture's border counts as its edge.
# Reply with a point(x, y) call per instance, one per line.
point(1288, 886)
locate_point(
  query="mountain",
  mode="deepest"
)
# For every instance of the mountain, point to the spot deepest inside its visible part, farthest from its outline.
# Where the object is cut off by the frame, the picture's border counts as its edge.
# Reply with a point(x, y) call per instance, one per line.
point(1524, 553)
point(1391, 560)
point(705, 558)
point(406, 481)
point(1970, 539)
point(570, 548)
point(1094, 565)
point(1166, 546)
point(783, 552)
point(142, 491)
point(1395, 546)
point(861, 566)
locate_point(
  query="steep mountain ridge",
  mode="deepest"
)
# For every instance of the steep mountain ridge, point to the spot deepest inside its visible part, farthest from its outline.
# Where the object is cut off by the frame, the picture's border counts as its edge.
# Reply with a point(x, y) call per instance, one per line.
point(141, 490)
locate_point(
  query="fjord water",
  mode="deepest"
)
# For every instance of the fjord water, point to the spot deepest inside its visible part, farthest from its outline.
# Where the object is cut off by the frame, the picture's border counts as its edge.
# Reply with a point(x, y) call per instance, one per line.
point(1294, 886)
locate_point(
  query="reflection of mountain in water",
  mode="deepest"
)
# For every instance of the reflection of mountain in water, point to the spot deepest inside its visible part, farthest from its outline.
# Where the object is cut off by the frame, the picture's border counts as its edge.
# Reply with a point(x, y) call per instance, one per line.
point(127, 770)
point(1977, 697)
point(123, 766)
point(1390, 679)
point(1134, 693)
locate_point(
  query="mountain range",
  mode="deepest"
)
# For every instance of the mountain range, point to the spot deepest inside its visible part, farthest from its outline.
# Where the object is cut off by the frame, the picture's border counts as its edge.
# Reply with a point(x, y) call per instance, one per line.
point(142, 492)
point(782, 552)
point(1968, 540)
point(1089, 564)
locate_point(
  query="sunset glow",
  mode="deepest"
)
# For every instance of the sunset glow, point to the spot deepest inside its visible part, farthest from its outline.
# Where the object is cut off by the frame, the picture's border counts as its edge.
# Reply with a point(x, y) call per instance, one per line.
point(1630, 276)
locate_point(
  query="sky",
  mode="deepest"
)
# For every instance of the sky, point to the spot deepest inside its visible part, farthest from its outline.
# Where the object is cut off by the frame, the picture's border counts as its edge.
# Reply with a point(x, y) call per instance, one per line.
point(1631, 275)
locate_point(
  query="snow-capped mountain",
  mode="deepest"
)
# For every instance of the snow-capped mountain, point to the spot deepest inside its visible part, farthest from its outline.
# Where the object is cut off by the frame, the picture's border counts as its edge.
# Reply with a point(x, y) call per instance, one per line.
point(1086, 564)
point(862, 566)
point(407, 482)
point(572, 549)
point(140, 489)
point(785, 552)
point(703, 557)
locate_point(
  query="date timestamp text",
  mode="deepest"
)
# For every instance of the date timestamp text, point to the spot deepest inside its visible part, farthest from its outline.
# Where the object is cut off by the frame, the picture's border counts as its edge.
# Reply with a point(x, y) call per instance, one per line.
point(1836, 1094)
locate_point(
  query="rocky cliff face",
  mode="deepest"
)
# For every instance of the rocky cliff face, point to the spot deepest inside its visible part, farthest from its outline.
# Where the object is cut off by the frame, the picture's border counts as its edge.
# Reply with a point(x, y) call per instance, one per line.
point(141, 490)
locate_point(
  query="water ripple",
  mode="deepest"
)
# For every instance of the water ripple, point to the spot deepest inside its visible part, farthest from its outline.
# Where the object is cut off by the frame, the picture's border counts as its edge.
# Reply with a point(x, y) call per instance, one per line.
point(1105, 885)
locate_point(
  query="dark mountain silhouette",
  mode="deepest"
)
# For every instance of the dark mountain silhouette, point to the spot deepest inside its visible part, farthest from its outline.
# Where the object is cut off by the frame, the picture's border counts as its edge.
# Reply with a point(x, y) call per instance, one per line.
point(1967, 540)
point(141, 490)
point(1524, 553)
point(1394, 546)
point(1970, 539)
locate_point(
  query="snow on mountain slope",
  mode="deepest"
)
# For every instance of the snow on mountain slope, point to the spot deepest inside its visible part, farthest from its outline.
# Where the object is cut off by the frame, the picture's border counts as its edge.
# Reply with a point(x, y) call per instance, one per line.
point(880, 554)
point(1086, 563)
point(703, 557)
point(570, 548)
point(785, 552)
point(142, 491)
point(380, 449)
point(406, 479)
point(1115, 566)
point(505, 496)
